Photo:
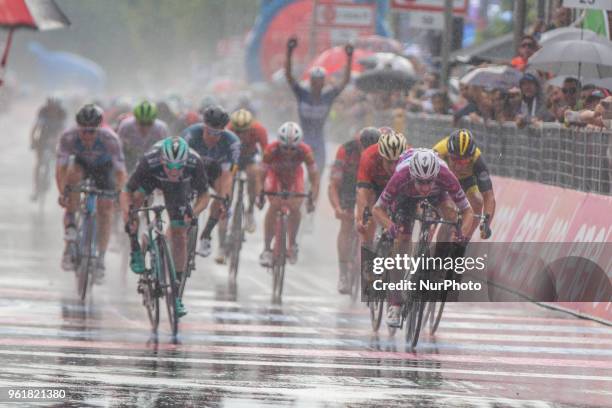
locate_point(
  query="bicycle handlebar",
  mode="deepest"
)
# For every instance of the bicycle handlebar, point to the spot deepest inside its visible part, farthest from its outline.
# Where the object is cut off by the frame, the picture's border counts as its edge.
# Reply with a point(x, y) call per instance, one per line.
point(285, 195)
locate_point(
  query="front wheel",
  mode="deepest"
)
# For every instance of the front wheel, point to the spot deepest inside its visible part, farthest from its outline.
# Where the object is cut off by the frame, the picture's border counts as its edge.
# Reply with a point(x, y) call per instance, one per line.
point(168, 283)
point(86, 256)
point(376, 311)
point(236, 237)
point(280, 259)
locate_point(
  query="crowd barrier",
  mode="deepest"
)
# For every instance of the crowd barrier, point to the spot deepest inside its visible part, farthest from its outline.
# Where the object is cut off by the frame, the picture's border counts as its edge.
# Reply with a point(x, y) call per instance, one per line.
point(550, 153)
point(557, 246)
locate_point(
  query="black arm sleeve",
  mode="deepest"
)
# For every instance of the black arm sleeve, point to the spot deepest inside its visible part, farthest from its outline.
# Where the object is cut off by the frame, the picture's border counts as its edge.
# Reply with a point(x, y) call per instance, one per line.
point(141, 178)
point(483, 178)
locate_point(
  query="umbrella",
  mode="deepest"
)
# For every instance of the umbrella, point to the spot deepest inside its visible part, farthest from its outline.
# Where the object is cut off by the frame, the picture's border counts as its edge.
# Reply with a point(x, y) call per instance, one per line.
point(377, 43)
point(600, 83)
point(590, 59)
point(497, 76)
point(569, 33)
point(32, 14)
point(388, 72)
point(334, 60)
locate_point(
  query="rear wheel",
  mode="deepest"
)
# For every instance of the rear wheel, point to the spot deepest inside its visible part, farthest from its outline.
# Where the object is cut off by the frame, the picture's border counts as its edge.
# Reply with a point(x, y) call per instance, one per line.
point(150, 299)
point(416, 303)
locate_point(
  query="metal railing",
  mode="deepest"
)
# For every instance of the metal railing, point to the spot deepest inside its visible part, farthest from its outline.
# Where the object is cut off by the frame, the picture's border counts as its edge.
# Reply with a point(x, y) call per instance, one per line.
point(551, 154)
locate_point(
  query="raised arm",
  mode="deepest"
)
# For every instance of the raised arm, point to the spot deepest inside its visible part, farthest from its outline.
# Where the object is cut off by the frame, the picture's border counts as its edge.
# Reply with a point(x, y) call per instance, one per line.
point(349, 64)
point(291, 44)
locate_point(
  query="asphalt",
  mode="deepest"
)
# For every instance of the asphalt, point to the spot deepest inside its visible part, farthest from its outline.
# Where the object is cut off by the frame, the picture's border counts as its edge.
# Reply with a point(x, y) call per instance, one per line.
point(315, 350)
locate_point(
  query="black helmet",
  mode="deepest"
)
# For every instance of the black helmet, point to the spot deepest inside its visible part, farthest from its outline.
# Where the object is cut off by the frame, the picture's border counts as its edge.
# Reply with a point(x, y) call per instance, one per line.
point(89, 115)
point(368, 136)
point(461, 143)
point(216, 117)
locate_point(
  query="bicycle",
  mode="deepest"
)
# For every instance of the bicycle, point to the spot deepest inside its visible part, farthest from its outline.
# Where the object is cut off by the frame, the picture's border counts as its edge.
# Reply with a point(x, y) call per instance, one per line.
point(84, 249)
point(236, 234)
point(414, 301)
point(434, 316)
point(279, 250)
point(159, 277)
point(375, 299)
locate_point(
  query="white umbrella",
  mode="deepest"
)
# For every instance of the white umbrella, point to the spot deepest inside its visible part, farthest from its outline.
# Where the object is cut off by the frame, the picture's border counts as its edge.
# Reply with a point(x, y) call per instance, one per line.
point(569, 33)
point(496, 76)
point(589, 59)
point(600, 83)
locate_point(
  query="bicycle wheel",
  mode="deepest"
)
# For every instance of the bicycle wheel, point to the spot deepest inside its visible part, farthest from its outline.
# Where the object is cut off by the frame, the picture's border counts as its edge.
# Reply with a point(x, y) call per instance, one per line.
point(236, 237)
point(168, 283)
point(280, 259)
point(376, 312)
point(416, 303)
point(355, 269)
point(86, 255)
point(192, 241)
point(150, 299)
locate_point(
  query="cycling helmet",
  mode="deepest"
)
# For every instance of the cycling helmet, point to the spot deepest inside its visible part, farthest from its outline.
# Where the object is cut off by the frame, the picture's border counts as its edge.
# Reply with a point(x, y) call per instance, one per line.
point(145, 112)
point(89, 115)
point(317, 72)
point(391, 143)
point(55, 101)
point(461, 143)
point(241, 119)
point(216, 117)
point(174, 151)
point(368, 136)
point(424, 164)
point(290, 134)
point(207, 102)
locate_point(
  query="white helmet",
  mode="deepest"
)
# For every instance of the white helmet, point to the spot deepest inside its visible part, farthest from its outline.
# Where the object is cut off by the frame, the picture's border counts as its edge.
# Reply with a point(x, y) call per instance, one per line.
point(424, 164)
point(290, 134)
point(391, 144)
point(317, 72)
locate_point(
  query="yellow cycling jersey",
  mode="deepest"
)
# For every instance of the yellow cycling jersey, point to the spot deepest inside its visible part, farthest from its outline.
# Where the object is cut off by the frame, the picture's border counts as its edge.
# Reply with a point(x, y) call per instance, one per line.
point(465, 171)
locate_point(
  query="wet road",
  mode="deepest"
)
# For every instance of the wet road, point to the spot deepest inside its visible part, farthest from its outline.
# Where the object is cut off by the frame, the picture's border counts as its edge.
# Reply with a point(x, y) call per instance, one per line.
point(314, 350)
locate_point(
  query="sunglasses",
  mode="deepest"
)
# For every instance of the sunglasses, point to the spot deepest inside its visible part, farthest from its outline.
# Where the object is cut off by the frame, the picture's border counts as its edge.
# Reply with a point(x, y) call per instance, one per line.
point(288, 147)
point(569, 91)
point(174, 166)
point(145, 124)
point(528, 45)
point(213, 131)
point(87, 131)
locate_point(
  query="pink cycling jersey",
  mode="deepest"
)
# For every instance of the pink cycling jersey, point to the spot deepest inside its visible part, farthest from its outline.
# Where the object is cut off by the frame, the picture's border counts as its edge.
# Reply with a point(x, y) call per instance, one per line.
point(402, 185)
point(106, 148)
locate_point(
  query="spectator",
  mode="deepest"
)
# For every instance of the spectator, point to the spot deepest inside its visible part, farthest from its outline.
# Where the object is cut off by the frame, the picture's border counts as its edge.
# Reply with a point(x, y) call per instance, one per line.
point(561, 18)
point(593, 99)
point(555, 103)
point(533, 108)
point(440, 104)
point(471, 109)
point(571, 88)
point(527, 48)
point(504, 108)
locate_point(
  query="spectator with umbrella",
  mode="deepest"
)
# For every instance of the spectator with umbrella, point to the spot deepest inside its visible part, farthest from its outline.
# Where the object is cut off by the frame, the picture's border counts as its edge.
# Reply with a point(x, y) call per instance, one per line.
point(529, 45)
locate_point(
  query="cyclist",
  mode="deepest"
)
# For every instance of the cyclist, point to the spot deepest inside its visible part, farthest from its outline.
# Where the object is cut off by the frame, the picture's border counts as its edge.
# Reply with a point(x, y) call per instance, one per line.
point(419, 175)
point(283, 172)
point(212, 142)
point(50, 122)
point(251, 133)
point(314, 104)
point(464, 158)
point(342, 195)
point(376, 166)
point(175, 169)
point(97, 154)
point(140, 132)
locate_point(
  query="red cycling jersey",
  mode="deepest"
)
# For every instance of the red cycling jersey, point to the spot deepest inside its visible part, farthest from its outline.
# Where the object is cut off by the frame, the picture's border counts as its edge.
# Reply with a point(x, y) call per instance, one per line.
point(250, 138)
point(284, 166)
point(372, 173)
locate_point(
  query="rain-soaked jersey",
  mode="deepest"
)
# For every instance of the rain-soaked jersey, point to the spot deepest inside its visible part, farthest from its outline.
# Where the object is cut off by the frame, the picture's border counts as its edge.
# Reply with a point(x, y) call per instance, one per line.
point(226, 151)
point(105, 148)
point(402, 185)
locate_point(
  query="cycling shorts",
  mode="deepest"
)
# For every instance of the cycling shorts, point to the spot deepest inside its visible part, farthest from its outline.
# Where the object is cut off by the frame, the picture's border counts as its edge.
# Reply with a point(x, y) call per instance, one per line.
point(102, 175)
